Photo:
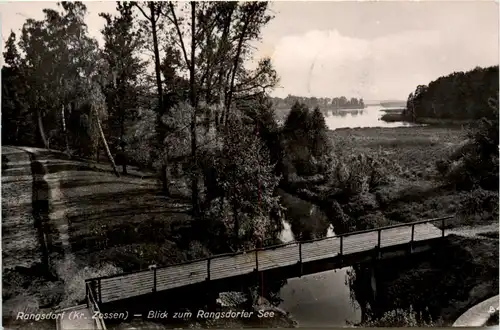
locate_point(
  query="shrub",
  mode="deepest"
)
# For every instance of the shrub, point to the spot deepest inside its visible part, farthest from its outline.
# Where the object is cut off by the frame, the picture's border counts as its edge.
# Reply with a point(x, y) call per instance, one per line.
point(372, 220)
point(480, 201)
point(361, 204)
point(477, 165)
point(399, 318)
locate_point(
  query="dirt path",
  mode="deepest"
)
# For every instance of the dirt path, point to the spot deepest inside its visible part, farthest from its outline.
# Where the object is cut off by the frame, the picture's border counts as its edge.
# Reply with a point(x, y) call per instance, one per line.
point(478, 315)
point(20, 243)
point(473, 232)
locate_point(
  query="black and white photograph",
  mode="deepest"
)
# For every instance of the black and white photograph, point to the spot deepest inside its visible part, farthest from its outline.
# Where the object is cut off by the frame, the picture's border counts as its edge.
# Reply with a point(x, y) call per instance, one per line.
point(249, 164)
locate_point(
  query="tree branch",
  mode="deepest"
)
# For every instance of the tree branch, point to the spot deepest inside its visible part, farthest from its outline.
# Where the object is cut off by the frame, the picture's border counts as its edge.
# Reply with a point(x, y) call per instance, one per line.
point(142, 11)
point(179, 33)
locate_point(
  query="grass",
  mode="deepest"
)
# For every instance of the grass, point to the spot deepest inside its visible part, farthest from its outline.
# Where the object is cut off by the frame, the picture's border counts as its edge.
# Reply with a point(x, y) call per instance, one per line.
point(415, 193)
point(464, 271)
point(444, 122)
point(125, 224)
point(414, 149)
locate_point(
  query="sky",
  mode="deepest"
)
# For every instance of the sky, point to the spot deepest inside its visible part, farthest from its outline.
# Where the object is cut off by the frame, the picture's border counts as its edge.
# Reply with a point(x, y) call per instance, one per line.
point(374, 50)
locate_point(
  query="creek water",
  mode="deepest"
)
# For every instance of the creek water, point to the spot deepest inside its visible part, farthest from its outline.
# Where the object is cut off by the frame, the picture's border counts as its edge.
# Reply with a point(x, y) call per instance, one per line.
point(319, 300)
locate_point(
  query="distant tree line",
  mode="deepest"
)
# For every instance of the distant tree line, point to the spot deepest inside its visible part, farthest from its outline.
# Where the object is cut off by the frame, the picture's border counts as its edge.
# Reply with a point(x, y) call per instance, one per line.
point(324, 103)
point(460, 96)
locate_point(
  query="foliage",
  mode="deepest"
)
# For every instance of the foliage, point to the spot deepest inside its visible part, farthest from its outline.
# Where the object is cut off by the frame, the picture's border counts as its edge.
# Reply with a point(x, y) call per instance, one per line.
point(460, 95)
point(57, 58)
point(358, 174)
point(324, 103)
point(305, 141)
point(122, 43)
point(477, 164)
point(141, 137)
point(18, 122)
point(399, 318)
point(247, 183)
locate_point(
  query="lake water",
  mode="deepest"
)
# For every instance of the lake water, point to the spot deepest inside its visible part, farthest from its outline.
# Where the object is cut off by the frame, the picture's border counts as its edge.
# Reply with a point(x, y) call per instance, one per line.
point(367, 117)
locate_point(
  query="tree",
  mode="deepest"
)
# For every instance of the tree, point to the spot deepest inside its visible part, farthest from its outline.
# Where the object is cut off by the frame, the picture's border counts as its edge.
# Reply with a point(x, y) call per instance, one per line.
point(214, 40)
point(17, 123)
point(122, 44)
point(458, 96)
point(320, 141)
point(152, 13)
point(245, 207)
point(58, 57)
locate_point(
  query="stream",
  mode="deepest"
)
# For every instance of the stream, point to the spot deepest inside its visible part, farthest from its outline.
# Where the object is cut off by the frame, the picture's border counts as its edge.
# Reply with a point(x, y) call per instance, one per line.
point(318, 300)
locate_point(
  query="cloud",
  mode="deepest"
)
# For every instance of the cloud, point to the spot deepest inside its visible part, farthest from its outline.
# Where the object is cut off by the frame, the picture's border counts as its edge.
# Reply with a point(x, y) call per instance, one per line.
point(326, 63)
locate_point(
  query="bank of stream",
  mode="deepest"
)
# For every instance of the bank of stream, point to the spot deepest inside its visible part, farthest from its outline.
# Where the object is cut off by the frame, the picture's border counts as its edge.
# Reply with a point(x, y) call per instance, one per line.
point(322, 299)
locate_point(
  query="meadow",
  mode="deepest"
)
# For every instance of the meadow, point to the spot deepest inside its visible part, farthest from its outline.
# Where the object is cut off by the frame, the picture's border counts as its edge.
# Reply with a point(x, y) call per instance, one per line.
point(466, 268)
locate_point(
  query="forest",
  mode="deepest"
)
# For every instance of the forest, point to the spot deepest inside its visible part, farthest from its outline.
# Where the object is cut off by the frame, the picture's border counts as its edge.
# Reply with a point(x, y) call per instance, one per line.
point(459, 95)
point(325, 103)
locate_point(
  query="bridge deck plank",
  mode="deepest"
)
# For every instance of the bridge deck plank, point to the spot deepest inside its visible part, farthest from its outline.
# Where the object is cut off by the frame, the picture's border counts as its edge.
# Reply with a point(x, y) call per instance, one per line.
point(131, 285)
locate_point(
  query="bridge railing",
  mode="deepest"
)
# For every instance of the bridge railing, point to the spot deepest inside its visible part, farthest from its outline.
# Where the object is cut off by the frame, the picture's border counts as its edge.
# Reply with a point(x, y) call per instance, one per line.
point(94, 284)
point(92, 304)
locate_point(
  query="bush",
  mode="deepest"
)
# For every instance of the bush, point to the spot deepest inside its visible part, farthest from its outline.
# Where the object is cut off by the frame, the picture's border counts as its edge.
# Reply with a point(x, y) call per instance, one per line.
point(141, 139)
point(399, 318)
point(372, 220)
point(477, 165)
point(480, 202)
point(361, 204)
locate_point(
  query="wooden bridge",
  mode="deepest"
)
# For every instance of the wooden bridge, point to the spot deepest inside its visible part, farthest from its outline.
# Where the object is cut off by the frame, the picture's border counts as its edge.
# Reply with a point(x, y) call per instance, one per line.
point(297, 258)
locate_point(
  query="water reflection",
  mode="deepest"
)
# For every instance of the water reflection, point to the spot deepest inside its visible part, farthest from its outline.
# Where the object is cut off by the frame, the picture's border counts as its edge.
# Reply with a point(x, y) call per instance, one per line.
point(319, 300)
point(368, 117)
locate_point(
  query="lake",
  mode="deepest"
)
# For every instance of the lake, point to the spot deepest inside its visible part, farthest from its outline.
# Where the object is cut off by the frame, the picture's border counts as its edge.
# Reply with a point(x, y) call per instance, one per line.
point(367, 117)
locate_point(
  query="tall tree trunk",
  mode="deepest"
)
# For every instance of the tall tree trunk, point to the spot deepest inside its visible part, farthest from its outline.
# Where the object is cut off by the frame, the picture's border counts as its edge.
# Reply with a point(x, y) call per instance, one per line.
point(236, 232)
point(122, 142)
point(192, 91)
point(161, 111)
point(235, 67)
point(41, 130)
point(222, 53)
point(65, 132)
point(105, 143)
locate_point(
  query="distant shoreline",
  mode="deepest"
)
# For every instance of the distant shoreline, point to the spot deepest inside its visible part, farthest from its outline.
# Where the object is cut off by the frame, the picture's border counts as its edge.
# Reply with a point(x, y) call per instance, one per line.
point(394, 116)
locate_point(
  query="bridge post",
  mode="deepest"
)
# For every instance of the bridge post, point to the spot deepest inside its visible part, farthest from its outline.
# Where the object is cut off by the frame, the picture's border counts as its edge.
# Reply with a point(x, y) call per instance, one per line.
point(100, 292)
point(378, 243)
point(373, 282)
point(208, 268)
point(442, 227)
point(87, 293)
point(154, 279)
point(341, 252)
point(412, 237)
point(300, 256)
point(256, 257)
